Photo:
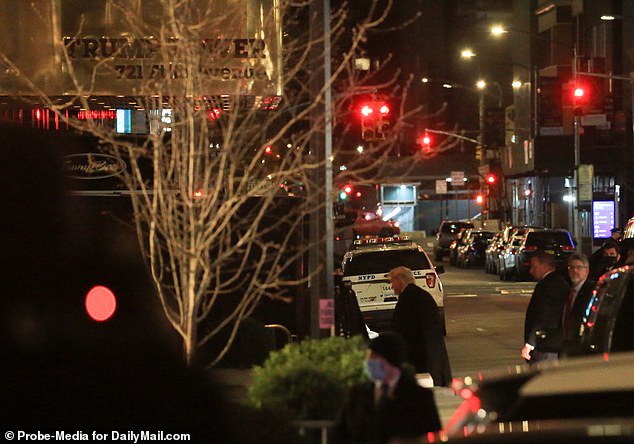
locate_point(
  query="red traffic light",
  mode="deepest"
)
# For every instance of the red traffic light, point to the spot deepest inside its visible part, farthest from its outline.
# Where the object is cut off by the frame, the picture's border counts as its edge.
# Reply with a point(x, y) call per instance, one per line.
point(347, 189)
point(491, 179)
point(268, 149)
point(579, 92)
point(358, 194)
point(366, 110)
point(384, 109)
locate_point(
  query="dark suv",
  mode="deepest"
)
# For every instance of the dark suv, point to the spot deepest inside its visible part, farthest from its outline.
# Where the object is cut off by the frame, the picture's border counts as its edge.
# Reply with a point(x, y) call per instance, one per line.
point(447, 233)
point(555, 242)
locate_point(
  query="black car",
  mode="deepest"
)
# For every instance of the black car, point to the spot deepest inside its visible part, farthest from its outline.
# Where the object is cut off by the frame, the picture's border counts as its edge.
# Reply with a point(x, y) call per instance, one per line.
point(447, 233)
point(472, 252)
point(558, 243)
point(461, 240)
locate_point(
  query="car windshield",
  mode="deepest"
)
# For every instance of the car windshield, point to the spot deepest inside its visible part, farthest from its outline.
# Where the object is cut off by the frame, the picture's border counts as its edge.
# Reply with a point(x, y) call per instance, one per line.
point(543, 238)
point(384, 261)
point(454, 227)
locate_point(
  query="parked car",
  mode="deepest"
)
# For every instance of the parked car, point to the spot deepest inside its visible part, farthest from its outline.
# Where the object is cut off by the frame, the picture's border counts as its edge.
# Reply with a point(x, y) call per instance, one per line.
point(368, 223)
point(492, 251)
point(365, 268)
point(587, 388)
point(472, 252)
point(508, 261)
point(447, 233)
point(507, 236)
point(555, 242)
point(461, 239)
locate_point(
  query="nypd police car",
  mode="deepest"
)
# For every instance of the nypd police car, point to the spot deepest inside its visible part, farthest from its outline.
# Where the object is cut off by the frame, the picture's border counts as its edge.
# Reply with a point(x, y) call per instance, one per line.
point(366, 267)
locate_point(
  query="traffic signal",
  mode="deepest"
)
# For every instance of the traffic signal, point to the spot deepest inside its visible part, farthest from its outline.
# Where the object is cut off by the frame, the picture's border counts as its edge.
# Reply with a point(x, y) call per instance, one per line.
point(491, 179)
point(345, 192)
point(479, 199)
point(425, 142)
point(268, 150)
point(374, 114)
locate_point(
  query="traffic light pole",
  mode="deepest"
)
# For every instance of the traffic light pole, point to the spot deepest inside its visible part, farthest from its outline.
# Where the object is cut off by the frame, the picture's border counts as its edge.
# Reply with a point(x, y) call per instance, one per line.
point(321, 231)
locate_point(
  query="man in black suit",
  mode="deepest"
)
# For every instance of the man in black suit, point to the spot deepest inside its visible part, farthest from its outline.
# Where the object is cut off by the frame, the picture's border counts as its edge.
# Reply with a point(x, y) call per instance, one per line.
point(578, 297)
point(391, 406)
point(417, 319)
point(546, 305)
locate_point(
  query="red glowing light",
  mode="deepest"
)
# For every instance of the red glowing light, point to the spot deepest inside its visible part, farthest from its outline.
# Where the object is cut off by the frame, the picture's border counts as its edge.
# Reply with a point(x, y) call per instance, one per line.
point(347, 189)
point(491, 179)
point(96, 114)
point(479, 199)
point(384, 109)
point(358, 194)
point(426, 140)
point(606, 356)
point(100, 303)
point(214, 113)
point(466, 393)
point(366, 110)
point(198, 193)
point(579, 92)
point(268, 149)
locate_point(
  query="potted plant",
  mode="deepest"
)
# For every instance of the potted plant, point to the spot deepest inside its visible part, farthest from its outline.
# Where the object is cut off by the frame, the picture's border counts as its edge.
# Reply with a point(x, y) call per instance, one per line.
point(307, 380)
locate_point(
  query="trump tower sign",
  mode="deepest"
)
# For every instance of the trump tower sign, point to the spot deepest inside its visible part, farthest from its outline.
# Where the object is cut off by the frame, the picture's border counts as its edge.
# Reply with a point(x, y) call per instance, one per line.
point(130, 48)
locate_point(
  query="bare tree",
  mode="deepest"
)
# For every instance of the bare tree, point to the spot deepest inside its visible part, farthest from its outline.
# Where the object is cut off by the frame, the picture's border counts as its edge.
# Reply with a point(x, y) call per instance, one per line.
point(220, 185)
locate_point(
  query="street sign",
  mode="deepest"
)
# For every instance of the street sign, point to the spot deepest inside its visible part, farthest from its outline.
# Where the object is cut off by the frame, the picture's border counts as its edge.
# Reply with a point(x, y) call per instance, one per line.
point(441, 186)
point(585, 178)
point(326, 313)
point(457, 178)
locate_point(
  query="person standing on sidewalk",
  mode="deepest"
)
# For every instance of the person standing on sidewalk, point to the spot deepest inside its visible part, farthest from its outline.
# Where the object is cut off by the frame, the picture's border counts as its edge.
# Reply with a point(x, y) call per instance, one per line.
point(417, 320)
point(390, 407)
point(546, 305)
point(579, 296)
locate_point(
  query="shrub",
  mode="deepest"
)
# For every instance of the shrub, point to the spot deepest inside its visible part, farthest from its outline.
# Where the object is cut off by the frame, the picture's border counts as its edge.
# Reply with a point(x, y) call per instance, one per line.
point(308, 380)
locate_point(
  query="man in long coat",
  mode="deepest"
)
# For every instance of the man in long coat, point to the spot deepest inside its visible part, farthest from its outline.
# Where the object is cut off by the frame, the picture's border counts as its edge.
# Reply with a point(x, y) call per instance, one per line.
point(546, 306)
point(417, 320)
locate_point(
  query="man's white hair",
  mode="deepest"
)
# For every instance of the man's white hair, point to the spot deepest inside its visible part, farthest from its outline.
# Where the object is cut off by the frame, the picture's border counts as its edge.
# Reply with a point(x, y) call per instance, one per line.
point(403, 274)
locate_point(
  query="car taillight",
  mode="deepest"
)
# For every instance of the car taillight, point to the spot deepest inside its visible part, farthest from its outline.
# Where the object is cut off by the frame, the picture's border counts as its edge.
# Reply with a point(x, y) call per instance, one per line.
point(430, 278)
point(467, 410)
point(513, 251)
point(568, 248)
point(533, 248)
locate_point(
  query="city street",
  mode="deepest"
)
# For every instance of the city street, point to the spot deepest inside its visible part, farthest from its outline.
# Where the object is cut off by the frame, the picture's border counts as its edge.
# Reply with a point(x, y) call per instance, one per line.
point(485, 319)
point(485, 325)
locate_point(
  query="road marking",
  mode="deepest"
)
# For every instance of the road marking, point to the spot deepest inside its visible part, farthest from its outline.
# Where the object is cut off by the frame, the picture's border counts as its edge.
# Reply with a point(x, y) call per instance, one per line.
point(461, 295)
point(521, 291)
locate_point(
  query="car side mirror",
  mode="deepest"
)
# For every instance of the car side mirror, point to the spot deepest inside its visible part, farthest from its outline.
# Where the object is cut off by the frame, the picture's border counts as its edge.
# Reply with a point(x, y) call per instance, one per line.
point(440, 269)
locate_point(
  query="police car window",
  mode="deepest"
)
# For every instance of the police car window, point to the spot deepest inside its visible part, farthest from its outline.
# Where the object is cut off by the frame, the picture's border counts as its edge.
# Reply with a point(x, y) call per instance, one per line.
point(384, 261)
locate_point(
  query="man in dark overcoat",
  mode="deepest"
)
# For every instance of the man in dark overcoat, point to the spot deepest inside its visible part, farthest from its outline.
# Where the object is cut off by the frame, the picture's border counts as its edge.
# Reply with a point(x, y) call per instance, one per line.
point(579, 296)
point(417, 319)
point(390, 407)
point(546, 306)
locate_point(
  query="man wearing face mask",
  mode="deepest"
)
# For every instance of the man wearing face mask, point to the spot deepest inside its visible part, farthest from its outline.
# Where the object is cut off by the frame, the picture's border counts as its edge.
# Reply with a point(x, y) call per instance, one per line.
point(604, 262)
point(392, 406)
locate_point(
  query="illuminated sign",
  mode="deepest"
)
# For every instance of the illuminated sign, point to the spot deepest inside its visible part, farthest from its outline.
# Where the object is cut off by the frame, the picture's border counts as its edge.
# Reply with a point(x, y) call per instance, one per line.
point(97, 114)
point(602, 218)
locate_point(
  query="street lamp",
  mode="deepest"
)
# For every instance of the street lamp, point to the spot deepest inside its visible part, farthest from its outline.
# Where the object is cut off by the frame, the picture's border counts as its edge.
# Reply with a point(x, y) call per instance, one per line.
point(467, 53)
